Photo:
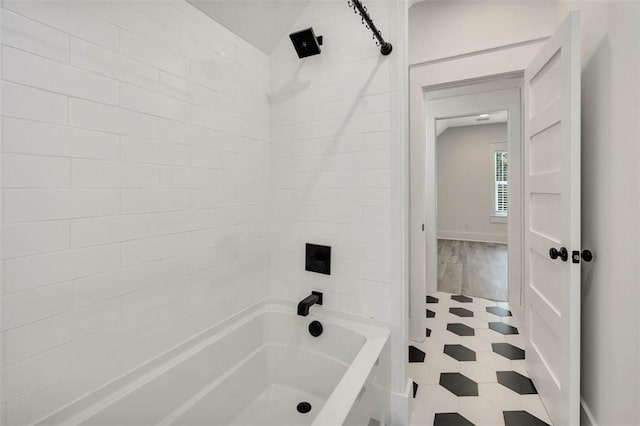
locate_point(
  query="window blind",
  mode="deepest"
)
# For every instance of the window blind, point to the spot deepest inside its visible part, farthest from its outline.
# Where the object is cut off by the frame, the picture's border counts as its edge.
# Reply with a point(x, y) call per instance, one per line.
point(501, 184)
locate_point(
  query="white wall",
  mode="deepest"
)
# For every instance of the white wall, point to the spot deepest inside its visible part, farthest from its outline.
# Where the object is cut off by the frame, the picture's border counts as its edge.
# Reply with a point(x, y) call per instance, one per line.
point(610, 165)
point(135, 176)
point(440, 29)
point(336, 150)
point(465, 183)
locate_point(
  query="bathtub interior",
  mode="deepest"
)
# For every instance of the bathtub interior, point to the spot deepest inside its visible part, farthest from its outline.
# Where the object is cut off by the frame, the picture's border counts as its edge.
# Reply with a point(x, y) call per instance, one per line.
point(256, 372)
point(266, 390)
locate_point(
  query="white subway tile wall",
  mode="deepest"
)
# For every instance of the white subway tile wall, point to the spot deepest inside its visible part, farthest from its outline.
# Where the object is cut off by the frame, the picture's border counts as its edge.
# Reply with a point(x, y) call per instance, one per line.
point(135, 174)
point(331, 162)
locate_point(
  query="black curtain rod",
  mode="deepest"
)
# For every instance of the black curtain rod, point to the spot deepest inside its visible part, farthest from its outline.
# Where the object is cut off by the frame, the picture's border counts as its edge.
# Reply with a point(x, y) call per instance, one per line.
point(358, 7)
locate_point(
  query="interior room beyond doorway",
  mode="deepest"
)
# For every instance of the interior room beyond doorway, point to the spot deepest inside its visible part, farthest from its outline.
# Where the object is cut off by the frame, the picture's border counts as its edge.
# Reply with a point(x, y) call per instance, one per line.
point(472, 205)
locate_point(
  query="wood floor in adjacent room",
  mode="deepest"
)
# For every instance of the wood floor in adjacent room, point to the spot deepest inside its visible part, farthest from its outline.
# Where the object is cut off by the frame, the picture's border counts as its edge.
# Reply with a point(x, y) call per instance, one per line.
point(473, 269)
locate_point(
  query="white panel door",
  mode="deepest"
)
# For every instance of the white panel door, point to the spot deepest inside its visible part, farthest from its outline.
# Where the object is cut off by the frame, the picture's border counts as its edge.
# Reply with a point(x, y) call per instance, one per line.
point(552, 221)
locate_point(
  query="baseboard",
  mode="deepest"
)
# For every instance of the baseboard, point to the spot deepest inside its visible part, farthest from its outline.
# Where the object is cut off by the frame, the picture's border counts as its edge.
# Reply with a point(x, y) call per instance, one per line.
point(586, 416)
point(401, 406)
point(472, 236)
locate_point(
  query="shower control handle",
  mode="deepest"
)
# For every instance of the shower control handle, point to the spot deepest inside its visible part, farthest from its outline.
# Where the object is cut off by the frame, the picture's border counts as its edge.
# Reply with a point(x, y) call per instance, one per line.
point(562, 253)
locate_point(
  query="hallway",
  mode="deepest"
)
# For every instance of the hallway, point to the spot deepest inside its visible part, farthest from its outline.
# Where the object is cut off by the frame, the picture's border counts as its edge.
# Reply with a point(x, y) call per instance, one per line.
point(470, 368)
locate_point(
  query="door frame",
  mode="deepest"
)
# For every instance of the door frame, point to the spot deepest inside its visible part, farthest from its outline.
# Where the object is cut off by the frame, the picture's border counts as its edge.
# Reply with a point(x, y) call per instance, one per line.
point(498, 95)
point(447, 72)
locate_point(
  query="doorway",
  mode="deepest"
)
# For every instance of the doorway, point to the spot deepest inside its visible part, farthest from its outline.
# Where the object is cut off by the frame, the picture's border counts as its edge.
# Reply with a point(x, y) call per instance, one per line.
point(549, 199)
point(432, 103)
point(472, 201)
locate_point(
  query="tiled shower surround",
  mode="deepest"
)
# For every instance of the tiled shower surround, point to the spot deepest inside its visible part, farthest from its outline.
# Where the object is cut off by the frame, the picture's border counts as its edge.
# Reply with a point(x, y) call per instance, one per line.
point(160, 174)
point(336, 150)
point(135, 166)
point(331, 162)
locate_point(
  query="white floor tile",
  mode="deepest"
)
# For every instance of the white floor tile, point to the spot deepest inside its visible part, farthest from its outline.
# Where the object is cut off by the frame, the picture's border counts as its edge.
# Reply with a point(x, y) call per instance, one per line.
point(442, 362)
point(478, 301)
point(474, 343)
point(485, 316)
point(435, 323)
point(516, 340)
point(478, 372)
point(423, 375)
point(519, 366)
point(474, 323)
point(499, 396)
point(511, 321)
point(533, 405)
point(494, 361)
point(432, 399)
point(490, 335)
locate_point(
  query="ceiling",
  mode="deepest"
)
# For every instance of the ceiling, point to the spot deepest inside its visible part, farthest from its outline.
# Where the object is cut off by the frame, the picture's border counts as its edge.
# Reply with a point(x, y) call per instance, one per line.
point(471, 120)
point(263, 23)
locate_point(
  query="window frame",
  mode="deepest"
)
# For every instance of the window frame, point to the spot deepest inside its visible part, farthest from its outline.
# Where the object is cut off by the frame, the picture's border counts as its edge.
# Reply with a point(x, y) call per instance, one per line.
point(495, 215)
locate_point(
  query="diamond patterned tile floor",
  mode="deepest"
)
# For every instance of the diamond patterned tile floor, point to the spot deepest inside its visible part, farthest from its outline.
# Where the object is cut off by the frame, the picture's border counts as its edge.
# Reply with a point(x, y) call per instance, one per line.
point(473, 372)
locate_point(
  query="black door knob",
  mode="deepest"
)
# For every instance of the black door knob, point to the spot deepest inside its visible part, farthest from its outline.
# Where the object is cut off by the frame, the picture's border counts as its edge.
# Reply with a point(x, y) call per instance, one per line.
point(562, 253)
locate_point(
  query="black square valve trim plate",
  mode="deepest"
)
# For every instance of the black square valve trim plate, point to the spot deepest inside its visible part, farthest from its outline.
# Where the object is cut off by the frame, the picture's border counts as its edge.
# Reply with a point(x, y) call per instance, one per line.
point(318, 259)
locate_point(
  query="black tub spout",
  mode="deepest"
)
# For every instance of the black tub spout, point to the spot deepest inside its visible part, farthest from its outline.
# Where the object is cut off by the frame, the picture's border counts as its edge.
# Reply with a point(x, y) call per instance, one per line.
point(307, 302)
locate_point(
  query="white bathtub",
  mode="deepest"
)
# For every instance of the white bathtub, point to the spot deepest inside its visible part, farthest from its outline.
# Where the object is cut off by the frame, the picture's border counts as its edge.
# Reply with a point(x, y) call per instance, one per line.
point(254, 371)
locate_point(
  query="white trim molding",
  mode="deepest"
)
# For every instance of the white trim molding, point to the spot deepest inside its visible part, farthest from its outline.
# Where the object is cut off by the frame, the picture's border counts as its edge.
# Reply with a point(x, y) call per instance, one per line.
point(498, 219)
point(586, 416)
point(472, 236)
point(402, 405)
point(434, 80)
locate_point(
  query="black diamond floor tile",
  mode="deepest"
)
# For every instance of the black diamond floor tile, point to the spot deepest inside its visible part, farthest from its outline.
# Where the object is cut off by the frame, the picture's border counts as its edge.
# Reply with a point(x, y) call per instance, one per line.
point(501, 312)
point(521, 418)
point(507, 350)
point(428, 332)
point(461, 312)
point(462, 299)
point(461, 329)
point(460, 352)
point(416, 355)
point(503, 328)
point(430, 313)
point(431, 299)
point(450, 419)
point(415, 389)
point(458, 384)
point(516, 382)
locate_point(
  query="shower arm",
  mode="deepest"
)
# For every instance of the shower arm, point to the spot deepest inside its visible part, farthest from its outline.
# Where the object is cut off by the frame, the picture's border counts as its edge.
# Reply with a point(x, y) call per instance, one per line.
point(358, 7)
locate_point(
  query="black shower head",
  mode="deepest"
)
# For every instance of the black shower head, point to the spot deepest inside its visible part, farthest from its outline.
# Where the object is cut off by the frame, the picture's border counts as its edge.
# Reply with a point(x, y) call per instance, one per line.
point(306, 42)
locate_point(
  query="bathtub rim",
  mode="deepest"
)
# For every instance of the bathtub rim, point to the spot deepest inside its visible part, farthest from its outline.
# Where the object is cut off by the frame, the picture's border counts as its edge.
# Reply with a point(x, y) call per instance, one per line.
point(376, 333)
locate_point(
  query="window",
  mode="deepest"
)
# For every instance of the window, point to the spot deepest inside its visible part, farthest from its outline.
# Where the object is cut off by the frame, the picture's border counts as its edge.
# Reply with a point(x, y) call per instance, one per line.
point(501, 185)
